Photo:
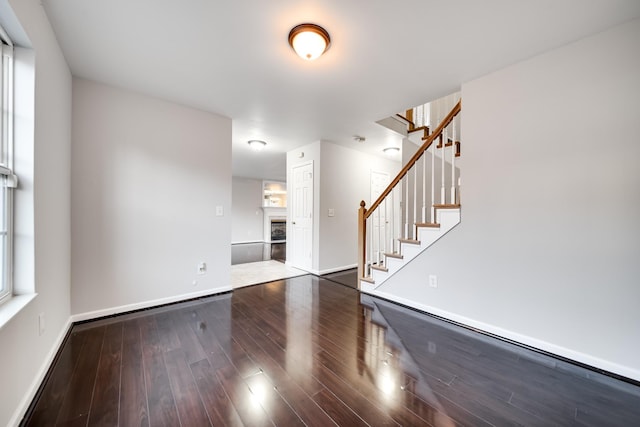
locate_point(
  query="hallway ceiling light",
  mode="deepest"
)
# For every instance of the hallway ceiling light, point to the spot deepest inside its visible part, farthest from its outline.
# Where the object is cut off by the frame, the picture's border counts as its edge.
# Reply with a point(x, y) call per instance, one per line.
point(257, 145)
point(391, 151)
point(309, 41)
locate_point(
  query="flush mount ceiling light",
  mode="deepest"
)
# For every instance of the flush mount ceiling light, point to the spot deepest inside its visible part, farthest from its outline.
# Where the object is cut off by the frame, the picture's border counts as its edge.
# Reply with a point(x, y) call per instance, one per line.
point(391, 151)
point(257, 145)
point(360, 139)
point(309, 41)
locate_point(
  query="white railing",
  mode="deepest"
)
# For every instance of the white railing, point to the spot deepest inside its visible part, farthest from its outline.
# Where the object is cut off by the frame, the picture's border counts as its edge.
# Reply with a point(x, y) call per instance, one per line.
point(428, 181)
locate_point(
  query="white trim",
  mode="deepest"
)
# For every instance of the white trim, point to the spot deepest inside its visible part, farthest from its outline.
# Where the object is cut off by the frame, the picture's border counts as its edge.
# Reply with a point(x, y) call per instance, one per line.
point(23, 406)
point(246, 242)
point(12, 306)
point(333, 270)
point(323, 272)
point(587, 359)
point(146, 304)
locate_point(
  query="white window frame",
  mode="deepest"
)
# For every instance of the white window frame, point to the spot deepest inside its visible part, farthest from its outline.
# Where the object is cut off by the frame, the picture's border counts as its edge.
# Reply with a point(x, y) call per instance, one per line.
point(8, 181)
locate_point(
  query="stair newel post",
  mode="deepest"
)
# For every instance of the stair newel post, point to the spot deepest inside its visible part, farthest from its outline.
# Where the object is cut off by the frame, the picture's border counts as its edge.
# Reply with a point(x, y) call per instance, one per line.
point(453, 162)
point(362, 240)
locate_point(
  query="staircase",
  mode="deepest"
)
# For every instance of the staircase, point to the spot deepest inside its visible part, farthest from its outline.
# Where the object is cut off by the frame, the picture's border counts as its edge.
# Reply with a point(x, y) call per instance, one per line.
point(419, 206)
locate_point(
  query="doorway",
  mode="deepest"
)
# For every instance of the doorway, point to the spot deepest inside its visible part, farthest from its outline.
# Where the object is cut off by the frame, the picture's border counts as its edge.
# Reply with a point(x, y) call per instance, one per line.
point(300, 248)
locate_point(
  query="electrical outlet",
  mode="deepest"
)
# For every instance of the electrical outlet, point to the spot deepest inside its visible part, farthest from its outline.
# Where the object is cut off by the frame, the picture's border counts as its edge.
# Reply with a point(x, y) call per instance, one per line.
point(433, 281)
point(41, 324)
point(194, 283)
point(219, 211)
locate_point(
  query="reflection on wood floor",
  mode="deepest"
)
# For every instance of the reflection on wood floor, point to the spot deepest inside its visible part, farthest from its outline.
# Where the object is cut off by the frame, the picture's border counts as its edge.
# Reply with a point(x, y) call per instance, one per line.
point(308, 351)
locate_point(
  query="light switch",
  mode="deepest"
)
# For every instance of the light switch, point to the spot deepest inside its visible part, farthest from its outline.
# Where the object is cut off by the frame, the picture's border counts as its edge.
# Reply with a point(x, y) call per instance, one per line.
point(331, 212)
point(219, 211)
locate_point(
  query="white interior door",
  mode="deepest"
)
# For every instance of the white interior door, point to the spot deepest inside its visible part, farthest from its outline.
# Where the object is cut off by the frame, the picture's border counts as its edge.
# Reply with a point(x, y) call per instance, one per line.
point(301, 243)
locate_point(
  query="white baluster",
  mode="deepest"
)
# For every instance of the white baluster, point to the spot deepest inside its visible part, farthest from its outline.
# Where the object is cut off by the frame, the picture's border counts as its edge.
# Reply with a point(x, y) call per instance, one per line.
point(415, 200)
point(427, 119)
point(368, 243)
point(380, 219)
point(442, 190)
point(433, 182)
point(453, 163)
point(385, 232)
point(392, 223)
point(406, 207)
point(424, 187)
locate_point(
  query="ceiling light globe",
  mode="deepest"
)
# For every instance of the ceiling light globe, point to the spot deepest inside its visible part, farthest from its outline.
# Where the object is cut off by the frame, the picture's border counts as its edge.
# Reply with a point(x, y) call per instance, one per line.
point(309, 41)
point(257, 145)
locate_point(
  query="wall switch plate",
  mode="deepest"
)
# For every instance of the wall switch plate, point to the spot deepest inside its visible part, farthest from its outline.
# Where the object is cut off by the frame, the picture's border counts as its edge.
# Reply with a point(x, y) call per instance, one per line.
point(433, 281)
point(219, 211)
point(202, 268)
point(41, 324)
point(331, 212)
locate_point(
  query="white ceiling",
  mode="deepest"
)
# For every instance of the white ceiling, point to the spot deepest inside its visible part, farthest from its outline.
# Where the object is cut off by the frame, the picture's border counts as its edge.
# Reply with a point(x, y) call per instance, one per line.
point(232, 58)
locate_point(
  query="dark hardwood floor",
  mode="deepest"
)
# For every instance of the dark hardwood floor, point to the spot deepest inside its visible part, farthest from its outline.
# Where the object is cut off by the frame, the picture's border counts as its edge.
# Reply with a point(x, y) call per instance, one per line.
point(345, 277)
point(308, 351)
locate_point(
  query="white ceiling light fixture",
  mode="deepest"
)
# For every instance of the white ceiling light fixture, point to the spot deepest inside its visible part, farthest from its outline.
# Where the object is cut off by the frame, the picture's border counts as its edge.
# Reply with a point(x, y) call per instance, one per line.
point(309, 41)
point(360, 139)
point(257, 145)
point(391, 151)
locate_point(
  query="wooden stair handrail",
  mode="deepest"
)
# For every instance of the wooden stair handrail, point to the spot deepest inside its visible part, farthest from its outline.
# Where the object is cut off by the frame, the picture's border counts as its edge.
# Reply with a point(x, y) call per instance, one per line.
point(427, 143)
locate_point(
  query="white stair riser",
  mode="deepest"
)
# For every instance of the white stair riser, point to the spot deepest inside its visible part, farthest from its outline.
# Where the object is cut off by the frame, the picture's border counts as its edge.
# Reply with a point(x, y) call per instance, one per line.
point(447, 218)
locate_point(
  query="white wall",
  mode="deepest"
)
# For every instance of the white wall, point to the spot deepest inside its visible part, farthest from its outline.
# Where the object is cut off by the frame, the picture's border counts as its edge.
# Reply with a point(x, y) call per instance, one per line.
point(42, 210)
point(147, 176)
point(342, 178)
point(345, 180)
point(246, 210)
point(548, 248)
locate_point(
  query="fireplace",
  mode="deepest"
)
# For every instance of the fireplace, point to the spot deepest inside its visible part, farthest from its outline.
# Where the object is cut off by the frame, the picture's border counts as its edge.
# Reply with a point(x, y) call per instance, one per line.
point(278, 230)
point(275, 233)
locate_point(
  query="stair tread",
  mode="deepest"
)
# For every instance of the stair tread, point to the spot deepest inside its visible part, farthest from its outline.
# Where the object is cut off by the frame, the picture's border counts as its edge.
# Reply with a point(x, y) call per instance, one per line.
point(447, 206)
point(419, 128)
point(428, 224)
point(410, 241)
point(394, 255)
point(368, 279)
point(379, 268)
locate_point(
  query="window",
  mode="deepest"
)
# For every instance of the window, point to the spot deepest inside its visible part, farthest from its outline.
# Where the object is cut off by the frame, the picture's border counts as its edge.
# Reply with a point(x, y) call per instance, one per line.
point(8, 180)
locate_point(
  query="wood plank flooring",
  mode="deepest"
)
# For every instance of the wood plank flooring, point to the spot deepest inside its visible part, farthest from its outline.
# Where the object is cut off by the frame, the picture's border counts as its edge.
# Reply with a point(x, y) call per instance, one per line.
point(309, 351)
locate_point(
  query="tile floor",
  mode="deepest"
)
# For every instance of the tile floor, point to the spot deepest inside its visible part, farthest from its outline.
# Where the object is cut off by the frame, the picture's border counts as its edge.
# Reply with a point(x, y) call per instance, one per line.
point(253, 273)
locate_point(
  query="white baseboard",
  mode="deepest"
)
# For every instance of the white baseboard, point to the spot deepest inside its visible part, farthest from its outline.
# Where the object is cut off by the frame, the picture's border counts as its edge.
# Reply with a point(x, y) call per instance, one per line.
point(322, 272)
point(23, 406)
point(246, 242)
point(336, 269)
point(567, 353)
point(146, 304)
